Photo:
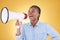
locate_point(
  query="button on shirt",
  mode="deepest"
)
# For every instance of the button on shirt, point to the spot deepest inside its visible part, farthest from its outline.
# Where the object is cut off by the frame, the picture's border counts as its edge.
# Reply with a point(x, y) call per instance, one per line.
point(39, 32)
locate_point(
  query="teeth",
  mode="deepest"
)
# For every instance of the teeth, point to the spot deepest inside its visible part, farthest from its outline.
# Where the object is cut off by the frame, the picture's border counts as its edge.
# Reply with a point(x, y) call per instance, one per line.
point(31, 16)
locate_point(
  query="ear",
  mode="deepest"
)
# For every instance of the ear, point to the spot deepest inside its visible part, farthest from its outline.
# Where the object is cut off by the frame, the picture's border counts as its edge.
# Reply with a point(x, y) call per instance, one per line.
point(39, 15)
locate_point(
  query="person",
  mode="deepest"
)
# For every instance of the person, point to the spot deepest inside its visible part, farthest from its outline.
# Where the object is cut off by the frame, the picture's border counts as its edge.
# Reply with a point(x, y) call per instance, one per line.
point(35, 30)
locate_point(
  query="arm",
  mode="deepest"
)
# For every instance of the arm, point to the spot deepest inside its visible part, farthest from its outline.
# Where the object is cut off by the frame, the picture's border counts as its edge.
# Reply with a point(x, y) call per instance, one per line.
point(18, 27)
point(53, 33)
point(20, 36)
point(20, 32)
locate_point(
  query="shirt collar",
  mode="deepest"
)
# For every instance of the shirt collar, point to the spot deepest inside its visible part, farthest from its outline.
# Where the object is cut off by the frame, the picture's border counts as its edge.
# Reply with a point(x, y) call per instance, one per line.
point(35, 25)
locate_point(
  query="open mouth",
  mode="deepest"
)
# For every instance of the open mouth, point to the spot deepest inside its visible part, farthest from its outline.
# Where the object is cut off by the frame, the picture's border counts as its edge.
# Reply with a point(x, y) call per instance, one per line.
point(30, 16)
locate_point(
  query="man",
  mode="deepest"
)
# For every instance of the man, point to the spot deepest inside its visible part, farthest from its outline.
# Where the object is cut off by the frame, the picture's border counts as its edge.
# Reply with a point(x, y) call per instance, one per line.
point(35, 30)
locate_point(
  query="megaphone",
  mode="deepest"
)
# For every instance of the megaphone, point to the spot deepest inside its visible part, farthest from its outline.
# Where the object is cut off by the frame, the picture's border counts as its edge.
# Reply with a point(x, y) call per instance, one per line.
point(7, 15)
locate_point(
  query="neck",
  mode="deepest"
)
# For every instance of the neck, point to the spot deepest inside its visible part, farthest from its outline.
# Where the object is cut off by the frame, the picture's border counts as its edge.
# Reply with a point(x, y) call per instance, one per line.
point(34, 22)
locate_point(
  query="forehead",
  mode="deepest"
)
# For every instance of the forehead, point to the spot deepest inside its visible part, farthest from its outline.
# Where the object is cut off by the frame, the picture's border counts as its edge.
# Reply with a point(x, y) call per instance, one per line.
point(32, 9)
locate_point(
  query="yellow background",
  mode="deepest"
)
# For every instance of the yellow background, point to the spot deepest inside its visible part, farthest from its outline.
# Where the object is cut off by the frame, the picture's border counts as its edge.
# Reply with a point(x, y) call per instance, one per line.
point(50, 14)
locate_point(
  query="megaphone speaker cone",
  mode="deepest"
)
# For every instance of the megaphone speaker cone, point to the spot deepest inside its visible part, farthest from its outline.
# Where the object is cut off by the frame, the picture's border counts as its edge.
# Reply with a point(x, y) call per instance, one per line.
point(4, 15)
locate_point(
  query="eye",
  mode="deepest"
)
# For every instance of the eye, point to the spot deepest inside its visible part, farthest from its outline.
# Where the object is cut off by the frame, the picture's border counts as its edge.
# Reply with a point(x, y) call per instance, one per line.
point(32, 11)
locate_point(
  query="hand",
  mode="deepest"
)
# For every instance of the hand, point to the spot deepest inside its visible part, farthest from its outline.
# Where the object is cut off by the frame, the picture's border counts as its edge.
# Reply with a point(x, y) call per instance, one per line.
point(18, 24)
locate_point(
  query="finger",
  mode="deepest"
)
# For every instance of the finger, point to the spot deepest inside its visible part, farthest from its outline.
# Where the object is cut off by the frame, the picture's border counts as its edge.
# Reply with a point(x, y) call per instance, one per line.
point(17, 22)
point(20, 23)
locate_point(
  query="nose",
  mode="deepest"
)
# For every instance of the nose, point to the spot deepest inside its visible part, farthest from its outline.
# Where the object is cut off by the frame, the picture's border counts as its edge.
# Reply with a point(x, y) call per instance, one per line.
point(30, 13)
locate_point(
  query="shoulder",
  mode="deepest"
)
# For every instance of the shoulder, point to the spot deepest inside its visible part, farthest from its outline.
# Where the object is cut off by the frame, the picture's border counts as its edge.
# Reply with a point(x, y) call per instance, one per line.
point(47, 26)
point(44, 24)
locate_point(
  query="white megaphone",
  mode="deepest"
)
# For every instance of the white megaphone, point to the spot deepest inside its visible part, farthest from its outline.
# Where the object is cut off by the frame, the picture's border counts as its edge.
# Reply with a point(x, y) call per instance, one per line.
point(7, 15)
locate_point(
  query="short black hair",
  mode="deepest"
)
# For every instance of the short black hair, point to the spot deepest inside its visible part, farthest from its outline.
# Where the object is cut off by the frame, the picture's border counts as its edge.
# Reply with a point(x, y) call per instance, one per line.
point(38, 8)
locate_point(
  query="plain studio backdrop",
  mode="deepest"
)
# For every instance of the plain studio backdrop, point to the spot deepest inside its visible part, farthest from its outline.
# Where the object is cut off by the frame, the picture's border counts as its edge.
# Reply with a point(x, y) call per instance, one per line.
point(50, 14)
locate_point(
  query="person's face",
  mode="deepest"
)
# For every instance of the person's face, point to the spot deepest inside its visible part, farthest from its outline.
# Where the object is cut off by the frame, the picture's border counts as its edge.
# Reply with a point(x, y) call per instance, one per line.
point(33, 14)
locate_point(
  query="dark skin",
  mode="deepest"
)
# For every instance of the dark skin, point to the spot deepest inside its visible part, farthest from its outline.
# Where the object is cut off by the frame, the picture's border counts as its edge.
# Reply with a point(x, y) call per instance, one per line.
point(33, 16)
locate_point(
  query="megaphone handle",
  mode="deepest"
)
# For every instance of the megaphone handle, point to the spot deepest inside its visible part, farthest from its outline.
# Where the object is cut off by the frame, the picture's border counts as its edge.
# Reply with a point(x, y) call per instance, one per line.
point(18, 24)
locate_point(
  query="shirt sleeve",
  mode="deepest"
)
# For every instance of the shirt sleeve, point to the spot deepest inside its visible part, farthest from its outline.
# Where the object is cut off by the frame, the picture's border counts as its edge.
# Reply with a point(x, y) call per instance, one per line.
point(52, 32)
point(22, 36)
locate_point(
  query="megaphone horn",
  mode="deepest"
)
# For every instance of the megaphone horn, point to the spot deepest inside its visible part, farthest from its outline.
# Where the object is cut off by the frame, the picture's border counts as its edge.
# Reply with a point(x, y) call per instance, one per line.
point(7, 15)
point(4, 15)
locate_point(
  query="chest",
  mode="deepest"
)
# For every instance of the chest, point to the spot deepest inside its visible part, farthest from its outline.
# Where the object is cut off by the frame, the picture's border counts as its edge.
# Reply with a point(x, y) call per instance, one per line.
point(36, 33)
